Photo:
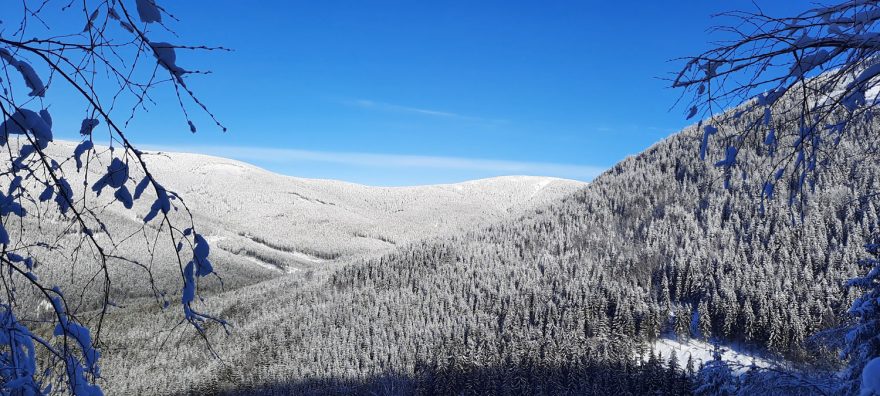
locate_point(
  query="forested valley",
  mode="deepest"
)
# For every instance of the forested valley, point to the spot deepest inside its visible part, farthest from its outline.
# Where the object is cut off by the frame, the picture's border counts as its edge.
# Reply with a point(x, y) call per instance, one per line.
point(564, 300)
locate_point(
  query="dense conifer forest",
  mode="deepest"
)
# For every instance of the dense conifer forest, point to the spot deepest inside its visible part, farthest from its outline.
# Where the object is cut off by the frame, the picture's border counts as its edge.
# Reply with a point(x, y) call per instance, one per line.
point(563, 300)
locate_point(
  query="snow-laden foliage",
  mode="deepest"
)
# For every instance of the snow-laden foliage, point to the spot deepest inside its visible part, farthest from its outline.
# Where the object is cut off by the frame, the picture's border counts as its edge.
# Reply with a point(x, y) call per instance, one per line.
point(24, 122)
point(18, 358)
point(167, 57)
point(863, 341)
point(553, 299)
point(82, 365)
point(800, 85)
point(715, 378)
point(148, 11)
point(823, 60)
point(46, 338)
point(31, 79)
point(871, 378)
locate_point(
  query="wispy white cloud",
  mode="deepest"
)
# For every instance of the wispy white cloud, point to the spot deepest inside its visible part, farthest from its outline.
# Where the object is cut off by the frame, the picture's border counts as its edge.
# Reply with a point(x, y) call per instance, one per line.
point(283, 157)
point(382, 106)
point(632, 128)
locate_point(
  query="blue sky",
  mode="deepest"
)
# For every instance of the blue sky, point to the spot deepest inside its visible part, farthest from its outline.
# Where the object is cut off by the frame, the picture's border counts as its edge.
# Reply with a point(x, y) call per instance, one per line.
point(415, 92)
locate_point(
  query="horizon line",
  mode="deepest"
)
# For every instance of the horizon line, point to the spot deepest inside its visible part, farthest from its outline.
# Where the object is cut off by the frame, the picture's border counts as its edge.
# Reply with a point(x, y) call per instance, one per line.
point(289, 156)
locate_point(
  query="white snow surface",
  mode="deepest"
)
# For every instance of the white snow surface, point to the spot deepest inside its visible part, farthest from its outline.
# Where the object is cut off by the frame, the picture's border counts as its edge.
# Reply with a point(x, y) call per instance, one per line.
point(254, 213)
point(701, 352)
point(337, 218)
point(871, 378)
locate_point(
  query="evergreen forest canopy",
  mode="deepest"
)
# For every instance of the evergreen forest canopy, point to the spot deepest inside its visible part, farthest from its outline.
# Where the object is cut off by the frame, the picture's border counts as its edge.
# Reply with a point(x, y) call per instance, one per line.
point(563, 300)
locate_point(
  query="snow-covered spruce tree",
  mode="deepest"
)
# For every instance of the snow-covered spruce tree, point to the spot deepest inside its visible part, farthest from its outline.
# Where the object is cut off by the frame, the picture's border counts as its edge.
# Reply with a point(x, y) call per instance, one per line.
point(863, 342)
point(60, 263)
point(798, 86)
point(715, 377)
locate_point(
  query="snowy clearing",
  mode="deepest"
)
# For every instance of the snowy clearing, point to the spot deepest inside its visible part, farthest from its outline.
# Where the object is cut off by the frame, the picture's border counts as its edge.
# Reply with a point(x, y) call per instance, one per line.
point(701, 352)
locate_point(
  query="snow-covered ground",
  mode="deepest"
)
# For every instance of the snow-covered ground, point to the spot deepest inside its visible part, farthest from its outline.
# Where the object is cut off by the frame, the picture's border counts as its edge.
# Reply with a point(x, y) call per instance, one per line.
point(315, 219)
point(701, 352)
point(871, 378)
point(298, 223)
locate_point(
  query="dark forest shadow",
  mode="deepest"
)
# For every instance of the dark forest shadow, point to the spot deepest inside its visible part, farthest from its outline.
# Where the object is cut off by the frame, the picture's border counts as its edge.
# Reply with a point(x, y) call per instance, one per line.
point(628, 378)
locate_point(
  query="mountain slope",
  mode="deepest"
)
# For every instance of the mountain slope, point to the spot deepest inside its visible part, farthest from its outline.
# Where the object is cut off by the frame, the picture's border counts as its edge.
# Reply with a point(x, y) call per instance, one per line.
point(262, 225)
point(330, 219)
point(652, 246)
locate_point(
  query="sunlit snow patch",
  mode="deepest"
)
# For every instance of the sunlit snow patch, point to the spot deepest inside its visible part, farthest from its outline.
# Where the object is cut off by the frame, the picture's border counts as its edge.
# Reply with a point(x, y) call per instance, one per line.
point(701, 352)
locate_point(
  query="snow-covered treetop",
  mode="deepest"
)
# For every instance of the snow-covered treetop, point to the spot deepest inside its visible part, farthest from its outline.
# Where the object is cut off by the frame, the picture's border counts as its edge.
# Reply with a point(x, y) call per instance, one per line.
point(797, 82)
point(797, 86)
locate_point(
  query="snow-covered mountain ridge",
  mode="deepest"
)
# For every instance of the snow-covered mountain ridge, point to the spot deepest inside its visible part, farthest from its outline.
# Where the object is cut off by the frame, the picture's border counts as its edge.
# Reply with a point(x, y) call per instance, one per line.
point(283, 221)
point(329, 219)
